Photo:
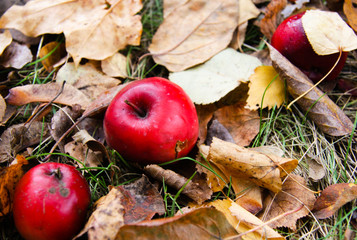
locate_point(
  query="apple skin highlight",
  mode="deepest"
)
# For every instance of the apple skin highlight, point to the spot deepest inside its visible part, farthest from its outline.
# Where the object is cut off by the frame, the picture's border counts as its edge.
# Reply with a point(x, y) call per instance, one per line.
point(167, 130)
point(291, 41)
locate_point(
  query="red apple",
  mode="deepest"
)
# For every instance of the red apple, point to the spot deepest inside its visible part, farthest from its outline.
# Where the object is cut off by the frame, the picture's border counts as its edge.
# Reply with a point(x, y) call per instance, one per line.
point(51, 202)
point(151, 121)
point(291, 41)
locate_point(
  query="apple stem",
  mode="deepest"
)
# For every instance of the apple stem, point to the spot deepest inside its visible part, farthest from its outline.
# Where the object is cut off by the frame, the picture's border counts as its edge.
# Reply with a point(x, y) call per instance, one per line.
point(139, 111)
point(58, 174)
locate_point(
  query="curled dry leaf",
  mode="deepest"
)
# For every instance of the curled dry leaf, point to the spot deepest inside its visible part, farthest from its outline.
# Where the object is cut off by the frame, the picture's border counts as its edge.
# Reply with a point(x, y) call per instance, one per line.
point(319, 107)
point(107, 218)
point(201, 223)
point(263, 169)
point(9, 177)
point(334, 197)
point(86, 24)
point(294, 194)
point(197, 192)
point(204, 29)
point(16, 56)
point(327, 32)
point(83, 137)
point(266, 89)
point(5, 40)
point(214, 79)
point(115, 66)
point(54, 52)
point(45, 93)
point(87, 78)
point(272, 17)
point(82, 153)
point(351, 13)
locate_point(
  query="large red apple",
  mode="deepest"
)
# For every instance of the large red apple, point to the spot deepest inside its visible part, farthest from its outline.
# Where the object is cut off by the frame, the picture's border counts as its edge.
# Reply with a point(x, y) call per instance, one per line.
point(151, 121)
point(291, 41)
point(51, 202)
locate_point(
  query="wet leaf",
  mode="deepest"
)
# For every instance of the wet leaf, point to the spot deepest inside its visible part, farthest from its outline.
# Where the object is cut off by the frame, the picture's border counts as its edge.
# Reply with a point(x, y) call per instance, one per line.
point(333, 198)
point(293, 195)
point(272, 17)
point(16, 56)
point(211, 81)
point(351, 13)
point(86, 24)
point(318, 106)
point(5, 40)
point(202, 223)
point(205, 28)
point(45, 93)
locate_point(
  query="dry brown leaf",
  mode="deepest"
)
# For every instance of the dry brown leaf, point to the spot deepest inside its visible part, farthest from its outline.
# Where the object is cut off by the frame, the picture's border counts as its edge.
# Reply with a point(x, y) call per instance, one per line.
point(2, 108)
point(266, 89)
point(86, 24)
point(56, 52)
point(18, 137)
point(243, 221)
point(45, 93)
point(171, 5)
point(141, 201)
point(202, 223)
point(248, 194)
point(82, 136)
point(334, 197)
point(10, 110)
point(82, 153)
point(351, 12)
point(316, 169)
point(5, 40)
point(272, 17)
point(293, 195)
point(205, 28)
point(87, 78)
point(243, 124)
point(263, 169)
point(9, 176)
point(319, 107)
point(107, 218)
point(115, 66)
point(16, 56)
point(197, 192)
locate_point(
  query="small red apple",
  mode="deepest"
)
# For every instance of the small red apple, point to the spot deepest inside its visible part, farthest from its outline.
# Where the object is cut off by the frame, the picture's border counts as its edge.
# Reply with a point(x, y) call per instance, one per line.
point(291, 41)
point(151, 121)
point(51, 202)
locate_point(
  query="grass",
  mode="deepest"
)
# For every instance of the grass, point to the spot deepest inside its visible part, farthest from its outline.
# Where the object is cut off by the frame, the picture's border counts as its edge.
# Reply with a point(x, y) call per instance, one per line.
point(289, 130)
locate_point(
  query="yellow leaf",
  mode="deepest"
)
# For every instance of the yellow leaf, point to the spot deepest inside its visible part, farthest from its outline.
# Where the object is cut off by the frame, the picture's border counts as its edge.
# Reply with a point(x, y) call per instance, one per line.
point(267, 87)
point(5, 40)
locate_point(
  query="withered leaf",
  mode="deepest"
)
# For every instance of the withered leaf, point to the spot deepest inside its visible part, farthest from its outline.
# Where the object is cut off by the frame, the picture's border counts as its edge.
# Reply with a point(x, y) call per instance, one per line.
point(351, 13)
point(82, 153)
point(272, 17)
point(197, 192)
point(16, 56)
point(205, 114)
point(84, 137)
point(319, 107)
point(56, 52)
point(9, 177)
point(206, 27)
point(216, 129)
point(115, 66)
point(106, 219)
point(5, 40)
point(202, 223)
point(293, 195)
point(45, 93)
point(2, 108)
point(141, 201)
point(332, 198)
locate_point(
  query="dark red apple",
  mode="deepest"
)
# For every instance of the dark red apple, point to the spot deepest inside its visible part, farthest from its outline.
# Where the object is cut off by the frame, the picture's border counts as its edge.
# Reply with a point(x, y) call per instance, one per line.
point(291, 41)
point(51, 202)
point(151, 121)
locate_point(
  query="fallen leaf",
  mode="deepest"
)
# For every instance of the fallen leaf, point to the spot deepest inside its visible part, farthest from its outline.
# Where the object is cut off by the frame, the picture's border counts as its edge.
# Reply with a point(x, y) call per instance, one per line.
point(243, 221)
point(16, 56)
point(327, 32)
point(9, 177)
point(5, 40)
point(82, 153)
point(205, 114)
point(115, 66)
point(214, 79)
point(266, 89)
point(332, 198)
point(242, 124)
point(194, 32)
point(10, 110)
point(272, 17)
point(86, 24)
point(318, 106)
point(87, 78)
point(20, 136)
point(316, 169)
point(141, 201)
point(202, 223)
point(197, 192)
point(294, 194)
point(82, 136)
point(45, 93)
point(107, 218)
point(55, 51)
point(171, 6)
point(248, 194)
point(216, 129)
point(2, 108)
point(351, 13)
point(263, 169)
